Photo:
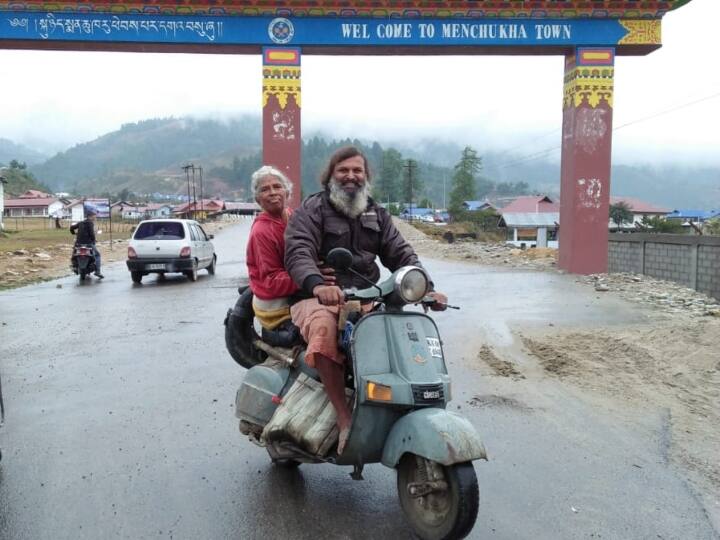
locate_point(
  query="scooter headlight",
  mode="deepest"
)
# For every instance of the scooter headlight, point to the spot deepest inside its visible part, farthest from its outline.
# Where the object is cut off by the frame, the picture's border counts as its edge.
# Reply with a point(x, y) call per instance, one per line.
point(411, 284)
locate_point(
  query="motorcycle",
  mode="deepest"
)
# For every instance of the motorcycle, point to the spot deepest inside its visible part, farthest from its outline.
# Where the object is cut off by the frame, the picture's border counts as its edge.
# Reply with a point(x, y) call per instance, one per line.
point(82, 261)
point(398, 385)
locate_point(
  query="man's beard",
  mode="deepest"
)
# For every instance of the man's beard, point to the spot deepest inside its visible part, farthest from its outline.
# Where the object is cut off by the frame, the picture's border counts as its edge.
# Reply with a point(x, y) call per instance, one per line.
point(351, 204)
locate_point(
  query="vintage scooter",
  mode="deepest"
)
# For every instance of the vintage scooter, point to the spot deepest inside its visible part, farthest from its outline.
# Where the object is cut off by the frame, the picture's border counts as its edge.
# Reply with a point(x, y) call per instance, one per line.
point(399, 387)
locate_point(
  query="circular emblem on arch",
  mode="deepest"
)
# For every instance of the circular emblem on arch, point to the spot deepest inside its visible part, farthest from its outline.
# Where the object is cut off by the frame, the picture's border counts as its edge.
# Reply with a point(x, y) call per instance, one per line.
point(281, 31)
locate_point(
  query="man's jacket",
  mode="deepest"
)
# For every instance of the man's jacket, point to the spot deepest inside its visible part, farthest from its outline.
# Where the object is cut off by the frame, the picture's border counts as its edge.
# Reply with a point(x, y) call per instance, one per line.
point(85, 232)
point(316, 227)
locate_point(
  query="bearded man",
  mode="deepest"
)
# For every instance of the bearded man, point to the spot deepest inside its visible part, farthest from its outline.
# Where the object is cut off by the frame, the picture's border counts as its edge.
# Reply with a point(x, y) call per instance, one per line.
point(342, 215)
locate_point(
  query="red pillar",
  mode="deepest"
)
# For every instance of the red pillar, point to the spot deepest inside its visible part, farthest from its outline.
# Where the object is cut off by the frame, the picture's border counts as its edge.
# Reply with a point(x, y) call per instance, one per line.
point(586, 156)
point(281, 114)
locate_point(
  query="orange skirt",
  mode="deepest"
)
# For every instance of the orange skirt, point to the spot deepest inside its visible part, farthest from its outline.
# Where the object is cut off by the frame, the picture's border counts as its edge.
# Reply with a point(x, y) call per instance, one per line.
point(318, 327)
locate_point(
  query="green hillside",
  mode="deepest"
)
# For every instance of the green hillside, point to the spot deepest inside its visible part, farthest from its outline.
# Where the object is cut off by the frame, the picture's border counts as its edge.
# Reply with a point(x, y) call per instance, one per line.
point(148, 155)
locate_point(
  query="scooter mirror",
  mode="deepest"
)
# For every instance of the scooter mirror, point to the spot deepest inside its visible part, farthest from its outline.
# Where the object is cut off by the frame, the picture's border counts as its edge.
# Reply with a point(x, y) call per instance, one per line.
point(339, 259)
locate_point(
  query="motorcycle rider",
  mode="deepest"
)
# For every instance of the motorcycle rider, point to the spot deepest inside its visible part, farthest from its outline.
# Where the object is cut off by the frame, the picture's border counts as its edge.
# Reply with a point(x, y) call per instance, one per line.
point(84, 232)
point(342, 215)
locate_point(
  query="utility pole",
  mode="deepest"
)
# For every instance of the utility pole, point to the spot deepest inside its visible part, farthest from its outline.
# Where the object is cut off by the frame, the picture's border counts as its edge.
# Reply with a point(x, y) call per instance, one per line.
point(202, 204)
point(194, 197)
point(444, 205)
point(411, 165)
point(187, 168)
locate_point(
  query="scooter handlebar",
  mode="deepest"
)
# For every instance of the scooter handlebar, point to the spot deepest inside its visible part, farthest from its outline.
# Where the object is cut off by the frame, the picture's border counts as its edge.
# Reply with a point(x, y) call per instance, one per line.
point(429, 301)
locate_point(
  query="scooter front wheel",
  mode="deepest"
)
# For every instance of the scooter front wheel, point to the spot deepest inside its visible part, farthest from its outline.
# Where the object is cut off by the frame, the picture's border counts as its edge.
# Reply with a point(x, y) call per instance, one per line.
point(439, 502)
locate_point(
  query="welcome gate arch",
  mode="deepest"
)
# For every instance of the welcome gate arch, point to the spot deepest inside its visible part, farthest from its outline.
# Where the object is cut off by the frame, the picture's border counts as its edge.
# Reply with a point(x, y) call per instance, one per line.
point(588, 33)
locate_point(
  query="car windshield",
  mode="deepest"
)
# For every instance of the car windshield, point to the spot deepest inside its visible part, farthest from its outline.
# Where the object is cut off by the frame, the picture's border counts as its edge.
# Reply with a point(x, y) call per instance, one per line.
point(160, 230)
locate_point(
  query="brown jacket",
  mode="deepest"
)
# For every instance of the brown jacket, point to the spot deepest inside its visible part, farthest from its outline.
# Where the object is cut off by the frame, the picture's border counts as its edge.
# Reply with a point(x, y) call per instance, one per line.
point(316, 227)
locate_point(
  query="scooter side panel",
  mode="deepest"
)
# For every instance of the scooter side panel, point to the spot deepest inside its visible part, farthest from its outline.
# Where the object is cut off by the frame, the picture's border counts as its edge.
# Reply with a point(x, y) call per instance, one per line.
point(435, 434)
point(254, 399)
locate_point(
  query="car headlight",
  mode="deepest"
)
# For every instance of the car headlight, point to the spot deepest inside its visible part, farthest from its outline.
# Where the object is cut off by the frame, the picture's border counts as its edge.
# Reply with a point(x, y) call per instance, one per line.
point(411, 284)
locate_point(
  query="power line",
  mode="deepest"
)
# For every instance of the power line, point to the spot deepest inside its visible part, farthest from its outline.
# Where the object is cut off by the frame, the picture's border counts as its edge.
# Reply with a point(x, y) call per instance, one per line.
point(539, 137)
point(667, 111)
point(548, 151)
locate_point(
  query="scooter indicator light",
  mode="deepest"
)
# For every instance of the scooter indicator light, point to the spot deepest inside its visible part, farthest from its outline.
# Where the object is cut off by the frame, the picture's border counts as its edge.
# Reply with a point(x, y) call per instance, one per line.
point(379, 392)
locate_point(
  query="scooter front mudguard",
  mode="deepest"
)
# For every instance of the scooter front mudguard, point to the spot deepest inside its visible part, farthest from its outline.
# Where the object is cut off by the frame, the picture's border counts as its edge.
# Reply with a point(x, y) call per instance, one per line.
point(435, 434)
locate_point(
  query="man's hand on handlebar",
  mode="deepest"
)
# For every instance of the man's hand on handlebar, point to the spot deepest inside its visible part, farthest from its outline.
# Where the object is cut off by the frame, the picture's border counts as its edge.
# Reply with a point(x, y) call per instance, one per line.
point(440, 303)
point(329, 295)
point(436, 301)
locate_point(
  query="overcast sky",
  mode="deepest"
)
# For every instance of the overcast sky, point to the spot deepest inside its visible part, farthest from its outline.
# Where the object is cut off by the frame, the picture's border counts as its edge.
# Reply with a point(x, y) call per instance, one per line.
point(52, 100)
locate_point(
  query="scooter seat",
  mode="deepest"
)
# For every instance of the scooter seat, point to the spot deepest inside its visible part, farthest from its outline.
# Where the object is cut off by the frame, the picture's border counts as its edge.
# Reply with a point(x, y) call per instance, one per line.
point(286, 335)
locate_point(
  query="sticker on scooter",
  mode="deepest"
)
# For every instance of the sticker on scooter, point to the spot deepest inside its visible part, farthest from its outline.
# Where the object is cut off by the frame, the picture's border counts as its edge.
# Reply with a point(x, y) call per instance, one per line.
point(434, 347)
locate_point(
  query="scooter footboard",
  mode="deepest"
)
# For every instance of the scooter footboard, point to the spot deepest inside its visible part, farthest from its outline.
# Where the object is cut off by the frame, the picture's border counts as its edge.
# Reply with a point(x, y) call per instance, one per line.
point(435, 434)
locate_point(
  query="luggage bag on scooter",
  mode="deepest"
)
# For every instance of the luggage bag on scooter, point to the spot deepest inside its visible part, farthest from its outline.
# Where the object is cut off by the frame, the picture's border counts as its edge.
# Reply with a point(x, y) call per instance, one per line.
point(305, 417)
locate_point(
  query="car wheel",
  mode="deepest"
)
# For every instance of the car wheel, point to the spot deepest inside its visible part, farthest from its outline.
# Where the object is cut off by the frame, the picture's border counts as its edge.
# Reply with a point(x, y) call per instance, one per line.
point(136, 277)
point(192, 275)
point(211, 268)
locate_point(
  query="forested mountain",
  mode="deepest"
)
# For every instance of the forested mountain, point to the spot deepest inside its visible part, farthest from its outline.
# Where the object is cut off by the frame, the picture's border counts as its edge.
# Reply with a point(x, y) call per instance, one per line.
point(19, 179)
point(146, 157)
point(153, 150)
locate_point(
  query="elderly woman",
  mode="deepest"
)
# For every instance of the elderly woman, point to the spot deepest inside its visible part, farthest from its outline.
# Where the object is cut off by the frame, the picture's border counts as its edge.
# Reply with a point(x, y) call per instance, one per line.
point(270, 283)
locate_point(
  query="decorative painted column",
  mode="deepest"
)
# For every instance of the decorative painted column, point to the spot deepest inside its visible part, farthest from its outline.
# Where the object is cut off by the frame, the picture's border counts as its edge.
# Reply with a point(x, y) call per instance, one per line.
point(586, 154)
point(281, 114)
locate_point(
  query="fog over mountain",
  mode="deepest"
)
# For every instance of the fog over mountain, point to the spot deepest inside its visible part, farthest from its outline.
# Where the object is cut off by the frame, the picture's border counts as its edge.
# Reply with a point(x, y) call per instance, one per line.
point(147, 156)
point(10, 150)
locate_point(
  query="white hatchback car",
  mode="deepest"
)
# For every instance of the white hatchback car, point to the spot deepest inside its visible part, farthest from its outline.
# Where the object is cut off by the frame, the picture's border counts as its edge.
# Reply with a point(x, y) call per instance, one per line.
point(161, 246)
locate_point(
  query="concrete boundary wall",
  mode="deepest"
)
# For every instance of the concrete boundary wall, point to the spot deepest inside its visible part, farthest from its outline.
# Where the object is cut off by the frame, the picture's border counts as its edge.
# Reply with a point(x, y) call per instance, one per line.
point(693, 261)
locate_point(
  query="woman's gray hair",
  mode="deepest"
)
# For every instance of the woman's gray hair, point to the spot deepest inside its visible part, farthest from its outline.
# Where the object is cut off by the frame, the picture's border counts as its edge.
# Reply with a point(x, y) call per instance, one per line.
point(264, 172)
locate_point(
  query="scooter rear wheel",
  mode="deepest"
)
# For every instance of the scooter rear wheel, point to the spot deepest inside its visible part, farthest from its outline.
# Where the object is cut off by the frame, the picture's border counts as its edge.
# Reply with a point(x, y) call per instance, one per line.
point(442, 513)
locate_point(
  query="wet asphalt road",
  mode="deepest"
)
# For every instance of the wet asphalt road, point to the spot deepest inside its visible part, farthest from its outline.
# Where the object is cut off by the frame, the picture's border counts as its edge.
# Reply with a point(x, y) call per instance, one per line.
point(120, 423)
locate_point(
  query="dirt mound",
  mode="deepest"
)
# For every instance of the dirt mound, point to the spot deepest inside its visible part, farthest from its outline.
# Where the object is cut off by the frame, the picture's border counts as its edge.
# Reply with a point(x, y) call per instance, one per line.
point(499, 367)
point(480, 250)
point(492, 400)
point(673, 367)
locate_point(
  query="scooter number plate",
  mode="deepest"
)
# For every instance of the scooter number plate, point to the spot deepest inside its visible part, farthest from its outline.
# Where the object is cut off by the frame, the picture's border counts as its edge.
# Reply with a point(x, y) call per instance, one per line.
point(155, 267)
point(431, 394)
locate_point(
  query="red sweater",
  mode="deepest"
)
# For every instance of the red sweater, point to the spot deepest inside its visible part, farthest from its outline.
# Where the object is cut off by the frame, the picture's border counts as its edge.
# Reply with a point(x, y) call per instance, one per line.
point(265, 258)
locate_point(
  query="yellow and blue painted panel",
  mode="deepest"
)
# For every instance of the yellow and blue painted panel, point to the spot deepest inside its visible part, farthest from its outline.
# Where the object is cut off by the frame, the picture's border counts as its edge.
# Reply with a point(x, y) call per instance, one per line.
point(324, 31)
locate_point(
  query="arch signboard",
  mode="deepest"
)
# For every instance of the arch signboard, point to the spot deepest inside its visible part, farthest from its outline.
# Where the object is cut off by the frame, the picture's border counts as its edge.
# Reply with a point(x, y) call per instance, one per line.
point(589, 34)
